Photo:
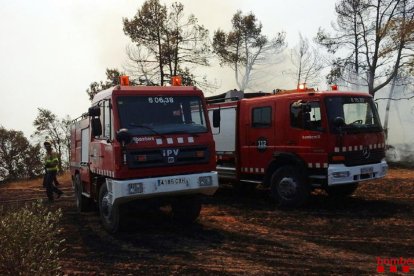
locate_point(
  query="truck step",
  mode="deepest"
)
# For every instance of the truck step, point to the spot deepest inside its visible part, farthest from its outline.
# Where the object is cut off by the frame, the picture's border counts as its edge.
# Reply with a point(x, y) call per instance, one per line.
point(226, 172)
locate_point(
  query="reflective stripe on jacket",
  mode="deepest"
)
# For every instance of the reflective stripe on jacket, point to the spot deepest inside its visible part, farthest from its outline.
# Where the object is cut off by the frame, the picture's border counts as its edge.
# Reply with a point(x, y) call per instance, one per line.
point(51, 162)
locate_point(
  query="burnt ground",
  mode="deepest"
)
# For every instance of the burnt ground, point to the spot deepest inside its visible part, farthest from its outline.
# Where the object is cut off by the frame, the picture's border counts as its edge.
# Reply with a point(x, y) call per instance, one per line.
point(247, 235)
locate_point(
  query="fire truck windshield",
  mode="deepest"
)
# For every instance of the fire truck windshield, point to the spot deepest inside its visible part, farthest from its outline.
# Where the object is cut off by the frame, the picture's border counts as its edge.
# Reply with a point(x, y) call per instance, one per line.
point(359, 113)
point(149, 115)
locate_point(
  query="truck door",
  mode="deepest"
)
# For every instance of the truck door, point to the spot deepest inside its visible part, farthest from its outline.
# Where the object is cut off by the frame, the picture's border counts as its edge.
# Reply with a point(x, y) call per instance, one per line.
point(305, 133)
point(260, 136)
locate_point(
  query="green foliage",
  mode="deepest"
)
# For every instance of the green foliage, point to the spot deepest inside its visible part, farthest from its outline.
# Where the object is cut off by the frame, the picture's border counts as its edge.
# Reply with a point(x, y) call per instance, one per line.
point(18, 158)
point(167, 43)
point(372, 40)
point(245, 46)
point(30, 242)
point(112, 79)
point(50, 127)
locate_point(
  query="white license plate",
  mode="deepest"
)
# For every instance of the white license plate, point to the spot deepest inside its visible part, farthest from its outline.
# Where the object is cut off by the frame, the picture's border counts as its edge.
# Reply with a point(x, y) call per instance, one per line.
point(135, 188)
point(367, 170)
point(172, 181)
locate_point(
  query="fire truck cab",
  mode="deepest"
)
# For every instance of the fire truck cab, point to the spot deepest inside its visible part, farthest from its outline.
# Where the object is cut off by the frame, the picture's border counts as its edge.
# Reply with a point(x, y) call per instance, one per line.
point(143, 142)
point(295, 141)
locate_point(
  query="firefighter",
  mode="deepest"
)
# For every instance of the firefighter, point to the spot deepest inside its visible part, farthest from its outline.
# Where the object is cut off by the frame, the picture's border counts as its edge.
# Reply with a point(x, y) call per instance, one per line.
point(51, 168)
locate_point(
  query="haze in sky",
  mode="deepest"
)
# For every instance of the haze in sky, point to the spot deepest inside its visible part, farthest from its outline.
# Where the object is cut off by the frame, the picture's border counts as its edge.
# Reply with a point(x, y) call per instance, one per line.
point(50, 51)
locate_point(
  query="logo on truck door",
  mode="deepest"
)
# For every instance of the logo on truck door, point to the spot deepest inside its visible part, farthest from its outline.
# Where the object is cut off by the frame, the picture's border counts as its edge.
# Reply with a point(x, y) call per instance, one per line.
point(261, 144)
point(170, 155)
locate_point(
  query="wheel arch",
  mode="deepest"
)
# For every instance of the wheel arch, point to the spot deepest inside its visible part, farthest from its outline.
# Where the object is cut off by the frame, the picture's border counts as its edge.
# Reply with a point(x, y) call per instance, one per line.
point(282, 159)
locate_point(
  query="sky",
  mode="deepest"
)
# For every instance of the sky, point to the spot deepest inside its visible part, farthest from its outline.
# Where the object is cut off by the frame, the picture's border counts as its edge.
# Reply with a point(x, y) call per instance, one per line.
point(50, 51)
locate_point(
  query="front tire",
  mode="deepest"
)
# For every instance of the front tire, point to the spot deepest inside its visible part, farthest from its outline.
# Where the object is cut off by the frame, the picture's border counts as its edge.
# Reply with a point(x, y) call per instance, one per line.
point(288, 186)
point(83, 204)
point(110, 215)
point(186, 210)
point(341, 190)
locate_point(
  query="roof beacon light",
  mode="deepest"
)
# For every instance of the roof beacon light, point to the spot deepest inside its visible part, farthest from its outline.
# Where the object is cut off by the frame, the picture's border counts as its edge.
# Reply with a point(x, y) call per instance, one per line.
point(334, 87)
point(176, 81)
point(124, 80)
point(302, 87)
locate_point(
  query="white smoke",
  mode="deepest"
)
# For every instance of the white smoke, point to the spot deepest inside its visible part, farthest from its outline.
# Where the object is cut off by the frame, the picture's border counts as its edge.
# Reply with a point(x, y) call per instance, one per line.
point(400, 125)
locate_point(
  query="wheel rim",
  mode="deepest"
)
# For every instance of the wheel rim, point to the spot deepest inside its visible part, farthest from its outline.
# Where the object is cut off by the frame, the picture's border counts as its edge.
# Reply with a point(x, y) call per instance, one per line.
point(287, 187)
point(106, 207)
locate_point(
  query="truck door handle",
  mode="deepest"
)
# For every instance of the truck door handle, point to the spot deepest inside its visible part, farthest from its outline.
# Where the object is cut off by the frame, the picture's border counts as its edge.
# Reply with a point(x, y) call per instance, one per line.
point(291, 142)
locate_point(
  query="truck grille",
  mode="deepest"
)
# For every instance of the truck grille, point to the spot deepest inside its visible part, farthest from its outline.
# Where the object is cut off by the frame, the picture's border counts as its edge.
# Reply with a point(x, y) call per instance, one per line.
point(356, 158)
point(167, 157)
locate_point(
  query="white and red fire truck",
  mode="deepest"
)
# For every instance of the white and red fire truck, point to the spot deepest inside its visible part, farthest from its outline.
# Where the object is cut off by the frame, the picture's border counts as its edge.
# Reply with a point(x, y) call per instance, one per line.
point(295, 141)
point(143, 142)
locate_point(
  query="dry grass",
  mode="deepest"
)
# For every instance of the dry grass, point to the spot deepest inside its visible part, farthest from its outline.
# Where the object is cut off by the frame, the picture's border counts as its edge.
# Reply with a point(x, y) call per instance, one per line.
point(30, 240)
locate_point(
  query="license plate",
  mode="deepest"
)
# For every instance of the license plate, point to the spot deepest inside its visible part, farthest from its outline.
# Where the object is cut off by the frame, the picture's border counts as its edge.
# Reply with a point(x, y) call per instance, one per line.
point(135, 188)
point(172, 181)
point(367, 170)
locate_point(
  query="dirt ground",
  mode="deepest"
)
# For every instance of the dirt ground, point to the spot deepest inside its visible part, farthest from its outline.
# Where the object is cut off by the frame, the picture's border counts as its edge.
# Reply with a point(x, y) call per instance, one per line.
point(244, 235)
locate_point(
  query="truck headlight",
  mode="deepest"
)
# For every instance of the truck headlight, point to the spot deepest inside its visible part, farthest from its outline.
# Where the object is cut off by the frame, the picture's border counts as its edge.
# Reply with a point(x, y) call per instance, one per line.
point(341, 174)
point(205, 181)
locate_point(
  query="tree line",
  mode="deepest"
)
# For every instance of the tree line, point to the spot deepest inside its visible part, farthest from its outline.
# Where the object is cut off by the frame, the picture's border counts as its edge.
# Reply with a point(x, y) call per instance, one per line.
point(20, 159)
point(371, 44)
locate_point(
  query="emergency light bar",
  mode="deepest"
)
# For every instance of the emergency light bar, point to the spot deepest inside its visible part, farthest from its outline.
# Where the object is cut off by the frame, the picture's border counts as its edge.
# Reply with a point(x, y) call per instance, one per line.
point(302, 87)
point(176, 81)
point(124, 80)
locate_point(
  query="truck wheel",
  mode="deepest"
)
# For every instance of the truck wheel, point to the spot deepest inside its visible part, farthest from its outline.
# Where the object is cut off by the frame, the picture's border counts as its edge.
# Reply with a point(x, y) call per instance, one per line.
point(83, 203)
point(186, 210)
point(341, 190)
point(109, 213)
point(288, 187)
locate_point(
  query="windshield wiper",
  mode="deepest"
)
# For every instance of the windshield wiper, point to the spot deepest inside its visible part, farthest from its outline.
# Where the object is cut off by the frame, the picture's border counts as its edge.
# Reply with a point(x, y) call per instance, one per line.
point(147, 127)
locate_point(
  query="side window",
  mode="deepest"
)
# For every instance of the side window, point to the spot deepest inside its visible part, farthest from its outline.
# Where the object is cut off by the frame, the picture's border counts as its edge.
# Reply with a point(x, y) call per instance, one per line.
point(196, 112)
point(106, 119)
point(306, 116)
point(262, 117)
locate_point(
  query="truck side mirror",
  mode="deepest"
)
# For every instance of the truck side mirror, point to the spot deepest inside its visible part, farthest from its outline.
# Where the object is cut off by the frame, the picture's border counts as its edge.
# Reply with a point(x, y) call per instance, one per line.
point(94, 111)
point(339, 122)
point(216, 118)
point(96, 126)
point(123, 136)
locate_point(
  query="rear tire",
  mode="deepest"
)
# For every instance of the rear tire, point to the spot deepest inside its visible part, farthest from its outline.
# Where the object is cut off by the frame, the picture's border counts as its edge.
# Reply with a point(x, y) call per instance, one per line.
point(341, 190)
point(288, 186)
point(186, 210)
point(83, 204)
point(110, 215)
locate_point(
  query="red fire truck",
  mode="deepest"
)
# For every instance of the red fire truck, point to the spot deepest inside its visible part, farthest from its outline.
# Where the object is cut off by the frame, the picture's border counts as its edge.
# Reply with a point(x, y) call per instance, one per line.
point(143, 142)
point(295, 141)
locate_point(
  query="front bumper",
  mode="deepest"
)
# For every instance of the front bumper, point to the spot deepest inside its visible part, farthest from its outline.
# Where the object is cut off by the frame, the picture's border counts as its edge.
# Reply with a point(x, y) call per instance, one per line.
point(121, 191)
point(339, 174)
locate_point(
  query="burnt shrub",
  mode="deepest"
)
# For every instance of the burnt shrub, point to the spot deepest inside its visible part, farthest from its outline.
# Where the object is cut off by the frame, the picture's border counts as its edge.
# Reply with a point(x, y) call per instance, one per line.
point(30, 240)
